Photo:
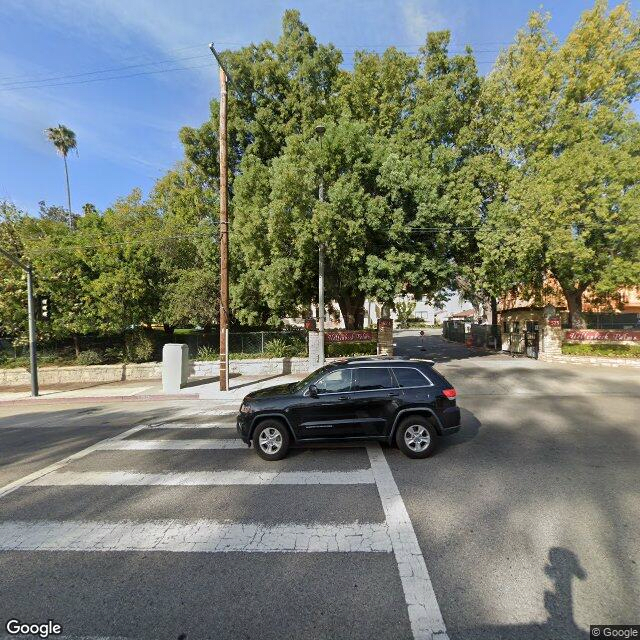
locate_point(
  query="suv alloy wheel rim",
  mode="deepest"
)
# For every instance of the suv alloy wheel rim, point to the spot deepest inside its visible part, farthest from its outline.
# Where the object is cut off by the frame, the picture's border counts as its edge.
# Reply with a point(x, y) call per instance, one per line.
point(270, 440)
point(417, 437)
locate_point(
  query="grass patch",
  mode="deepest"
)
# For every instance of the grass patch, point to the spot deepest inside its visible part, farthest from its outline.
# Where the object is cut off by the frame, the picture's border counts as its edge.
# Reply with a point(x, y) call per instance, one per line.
point(602, 350)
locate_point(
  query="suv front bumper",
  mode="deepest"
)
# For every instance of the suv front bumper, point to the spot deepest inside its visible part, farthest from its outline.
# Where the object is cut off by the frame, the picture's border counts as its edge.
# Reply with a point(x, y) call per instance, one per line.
point(243, 426)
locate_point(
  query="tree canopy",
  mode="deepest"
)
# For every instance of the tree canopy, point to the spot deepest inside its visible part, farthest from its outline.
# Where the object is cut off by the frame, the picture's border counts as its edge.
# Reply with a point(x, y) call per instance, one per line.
point(434, 178)
point(559, 122)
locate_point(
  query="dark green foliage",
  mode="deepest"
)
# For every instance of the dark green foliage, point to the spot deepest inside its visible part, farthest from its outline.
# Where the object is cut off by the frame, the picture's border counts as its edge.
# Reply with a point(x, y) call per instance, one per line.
point(604, 350)
point(344, 349)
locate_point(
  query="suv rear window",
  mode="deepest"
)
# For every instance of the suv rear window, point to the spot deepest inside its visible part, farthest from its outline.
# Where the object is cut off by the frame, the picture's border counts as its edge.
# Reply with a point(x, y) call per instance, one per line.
point(372, 378)
point(410, 377)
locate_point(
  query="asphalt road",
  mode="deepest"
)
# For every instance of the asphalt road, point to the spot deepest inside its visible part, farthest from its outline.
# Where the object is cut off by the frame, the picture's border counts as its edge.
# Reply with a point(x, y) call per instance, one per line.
point(526, 520)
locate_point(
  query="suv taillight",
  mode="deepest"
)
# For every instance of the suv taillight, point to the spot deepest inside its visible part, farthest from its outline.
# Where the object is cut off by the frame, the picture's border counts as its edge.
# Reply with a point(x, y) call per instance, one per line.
point(450, 393)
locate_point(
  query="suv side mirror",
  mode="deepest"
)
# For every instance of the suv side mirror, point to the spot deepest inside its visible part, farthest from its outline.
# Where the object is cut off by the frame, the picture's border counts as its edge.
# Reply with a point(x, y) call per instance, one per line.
point(313, 391)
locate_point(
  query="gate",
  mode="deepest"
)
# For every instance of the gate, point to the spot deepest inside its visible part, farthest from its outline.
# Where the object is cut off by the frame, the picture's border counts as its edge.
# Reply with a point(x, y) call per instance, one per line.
point(517, 343)
point(532, 339)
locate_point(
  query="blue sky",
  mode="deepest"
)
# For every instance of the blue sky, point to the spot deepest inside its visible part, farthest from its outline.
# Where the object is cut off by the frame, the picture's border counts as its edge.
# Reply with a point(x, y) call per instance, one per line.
point(127, 127)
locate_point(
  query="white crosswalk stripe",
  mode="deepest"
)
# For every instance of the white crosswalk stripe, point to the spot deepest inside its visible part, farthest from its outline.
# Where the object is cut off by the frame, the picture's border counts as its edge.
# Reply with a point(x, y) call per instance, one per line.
point(191, 425)
point(203, 478)
point(395, 535)
point(149, 445)
point(196, 536)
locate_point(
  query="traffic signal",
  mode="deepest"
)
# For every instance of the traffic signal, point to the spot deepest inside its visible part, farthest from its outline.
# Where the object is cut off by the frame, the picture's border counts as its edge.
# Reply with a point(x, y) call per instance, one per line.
point(44, 307)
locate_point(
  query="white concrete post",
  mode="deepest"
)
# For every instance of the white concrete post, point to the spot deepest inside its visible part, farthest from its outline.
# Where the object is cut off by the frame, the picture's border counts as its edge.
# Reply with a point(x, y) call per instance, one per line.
point(175, 367)
point(314, 350)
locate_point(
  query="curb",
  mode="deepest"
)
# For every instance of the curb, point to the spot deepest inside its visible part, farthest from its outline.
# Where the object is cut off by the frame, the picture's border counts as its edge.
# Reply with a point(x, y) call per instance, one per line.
point(100, 399)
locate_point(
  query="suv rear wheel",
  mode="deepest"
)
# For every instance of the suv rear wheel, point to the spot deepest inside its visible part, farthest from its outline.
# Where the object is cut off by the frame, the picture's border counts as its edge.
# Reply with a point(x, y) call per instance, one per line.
point(416, 437)
point(271, 440)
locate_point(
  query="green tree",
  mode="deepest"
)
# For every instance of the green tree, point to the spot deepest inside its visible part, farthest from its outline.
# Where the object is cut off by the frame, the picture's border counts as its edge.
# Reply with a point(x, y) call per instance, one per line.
point(13, 287)
point(64, 140)
point(390, 162)
point(190, 256)
point(559, 119)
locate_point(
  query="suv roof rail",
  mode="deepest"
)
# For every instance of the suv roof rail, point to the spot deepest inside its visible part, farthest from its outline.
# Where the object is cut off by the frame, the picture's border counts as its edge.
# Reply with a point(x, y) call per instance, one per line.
point(384, 359)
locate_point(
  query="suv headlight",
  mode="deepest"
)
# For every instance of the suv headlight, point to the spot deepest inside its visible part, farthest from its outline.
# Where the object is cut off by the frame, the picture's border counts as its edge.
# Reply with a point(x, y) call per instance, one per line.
point(244, 407)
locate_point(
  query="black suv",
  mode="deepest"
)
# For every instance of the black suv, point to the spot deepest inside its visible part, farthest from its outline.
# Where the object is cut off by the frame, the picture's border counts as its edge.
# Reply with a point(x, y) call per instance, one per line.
point(382, 399)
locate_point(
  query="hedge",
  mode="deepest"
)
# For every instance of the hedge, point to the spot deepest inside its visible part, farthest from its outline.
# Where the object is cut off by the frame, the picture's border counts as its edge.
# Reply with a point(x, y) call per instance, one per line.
point(602, 350)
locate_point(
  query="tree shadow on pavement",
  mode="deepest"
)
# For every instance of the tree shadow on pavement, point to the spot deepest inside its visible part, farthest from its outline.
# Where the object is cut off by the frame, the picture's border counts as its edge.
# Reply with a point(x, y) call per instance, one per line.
point(434, 347)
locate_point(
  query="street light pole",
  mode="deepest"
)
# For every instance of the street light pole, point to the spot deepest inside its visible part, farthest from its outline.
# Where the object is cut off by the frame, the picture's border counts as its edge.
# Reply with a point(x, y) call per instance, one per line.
point(33, 356)
point(320, 131)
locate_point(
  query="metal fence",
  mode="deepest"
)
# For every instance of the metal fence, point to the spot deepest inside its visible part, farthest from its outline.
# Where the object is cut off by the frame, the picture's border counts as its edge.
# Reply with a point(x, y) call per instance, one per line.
point(486, 335)
point(612, 320)
point(113, 348)
point(453, 330)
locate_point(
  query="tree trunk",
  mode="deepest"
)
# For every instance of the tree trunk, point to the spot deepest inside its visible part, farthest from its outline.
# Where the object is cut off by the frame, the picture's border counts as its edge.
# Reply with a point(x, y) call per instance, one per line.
point(168, 329)
point(494, 311)
point(66, 174)
point(76, 343)
point(573, 296)
point(352, 308)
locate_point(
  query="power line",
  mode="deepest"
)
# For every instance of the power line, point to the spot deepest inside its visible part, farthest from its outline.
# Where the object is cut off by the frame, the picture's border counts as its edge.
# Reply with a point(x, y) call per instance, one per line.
point(89, 73)
point(120, 77)
point(20, 81)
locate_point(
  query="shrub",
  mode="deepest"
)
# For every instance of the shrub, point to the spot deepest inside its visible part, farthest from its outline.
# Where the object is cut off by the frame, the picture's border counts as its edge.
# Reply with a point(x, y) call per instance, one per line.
point(279, 348)
point(113, 354)
point(207, 353)
point(88, 357)
point(139, 347)
point(602, 350)
point(342, 349)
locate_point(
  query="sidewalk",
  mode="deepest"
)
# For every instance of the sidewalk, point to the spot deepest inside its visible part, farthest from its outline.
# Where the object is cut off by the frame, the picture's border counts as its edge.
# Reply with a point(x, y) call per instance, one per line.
point(139, 390)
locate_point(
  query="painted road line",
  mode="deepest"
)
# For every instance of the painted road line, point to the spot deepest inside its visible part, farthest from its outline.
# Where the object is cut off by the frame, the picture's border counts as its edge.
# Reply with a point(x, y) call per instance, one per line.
point(202, 478)
point(16, 484)
point(73, 637)
point(149, 445)
point(206, 536)
point(424, 611)
point(191, 425)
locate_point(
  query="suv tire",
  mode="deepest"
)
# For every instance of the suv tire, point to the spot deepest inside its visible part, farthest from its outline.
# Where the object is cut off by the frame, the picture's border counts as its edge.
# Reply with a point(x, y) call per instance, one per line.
point(271, 440)
point(416, 437)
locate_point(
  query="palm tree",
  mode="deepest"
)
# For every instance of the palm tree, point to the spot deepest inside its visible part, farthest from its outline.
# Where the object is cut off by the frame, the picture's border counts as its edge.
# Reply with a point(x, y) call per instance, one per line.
point(63, 140)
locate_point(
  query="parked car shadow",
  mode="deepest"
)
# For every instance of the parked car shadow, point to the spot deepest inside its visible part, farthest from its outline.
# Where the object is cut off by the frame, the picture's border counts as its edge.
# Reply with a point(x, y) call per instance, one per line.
point(469, 429)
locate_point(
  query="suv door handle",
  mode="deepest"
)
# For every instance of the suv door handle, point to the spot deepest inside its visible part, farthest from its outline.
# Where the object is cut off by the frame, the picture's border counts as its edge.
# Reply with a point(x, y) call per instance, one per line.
point(393, 394)
point(343, 397)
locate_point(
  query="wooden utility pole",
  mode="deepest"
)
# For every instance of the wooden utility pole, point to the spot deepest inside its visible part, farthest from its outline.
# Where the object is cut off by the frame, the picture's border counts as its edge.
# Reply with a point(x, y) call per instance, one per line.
point(224, 238)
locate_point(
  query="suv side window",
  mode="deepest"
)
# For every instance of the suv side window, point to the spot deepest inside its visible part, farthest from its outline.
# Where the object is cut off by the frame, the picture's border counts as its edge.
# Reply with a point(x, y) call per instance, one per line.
point(409, 377)
point(372, 378)
point(335, 381)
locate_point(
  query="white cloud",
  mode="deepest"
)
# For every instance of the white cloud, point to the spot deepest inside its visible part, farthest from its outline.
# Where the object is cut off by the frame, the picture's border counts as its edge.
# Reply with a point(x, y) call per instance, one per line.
point(422, 16)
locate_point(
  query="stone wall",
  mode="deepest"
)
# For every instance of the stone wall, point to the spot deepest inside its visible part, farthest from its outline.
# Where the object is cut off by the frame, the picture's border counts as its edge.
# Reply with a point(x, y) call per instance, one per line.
point(385, 337)
point(147, 371)
point(594, 360)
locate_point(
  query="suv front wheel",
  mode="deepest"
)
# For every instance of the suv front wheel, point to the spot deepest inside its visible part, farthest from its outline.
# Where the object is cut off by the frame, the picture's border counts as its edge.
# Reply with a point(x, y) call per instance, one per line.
point(271, 440)
point(416, 437)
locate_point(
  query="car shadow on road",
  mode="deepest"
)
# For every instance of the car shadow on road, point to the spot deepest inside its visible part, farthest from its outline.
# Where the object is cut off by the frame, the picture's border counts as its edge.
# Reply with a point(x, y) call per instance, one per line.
point(562, 568)
point(469, 429)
